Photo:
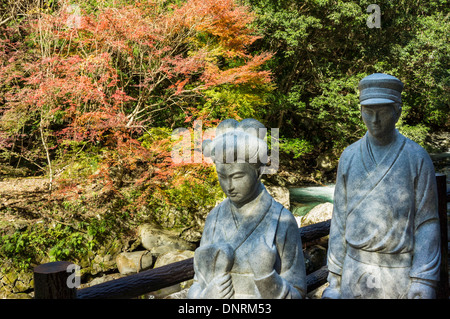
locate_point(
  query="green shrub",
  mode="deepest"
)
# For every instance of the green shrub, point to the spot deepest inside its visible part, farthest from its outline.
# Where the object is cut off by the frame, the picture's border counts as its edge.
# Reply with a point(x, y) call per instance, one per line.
point(295, 146)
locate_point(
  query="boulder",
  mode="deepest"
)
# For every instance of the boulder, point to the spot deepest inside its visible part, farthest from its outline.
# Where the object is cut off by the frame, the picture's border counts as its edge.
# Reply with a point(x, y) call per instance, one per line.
point(15, 284)
point(134, 262)
point(24, 282)
point(183, 294)
point(319, 213)
point(102, 279)
point(280, 194)
point(102, 263)
point(159, 241)
point(172, 257)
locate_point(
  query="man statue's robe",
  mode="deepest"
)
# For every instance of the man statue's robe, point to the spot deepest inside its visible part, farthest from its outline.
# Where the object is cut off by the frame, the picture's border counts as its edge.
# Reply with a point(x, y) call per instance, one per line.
point(385, 226)
point(231, 245)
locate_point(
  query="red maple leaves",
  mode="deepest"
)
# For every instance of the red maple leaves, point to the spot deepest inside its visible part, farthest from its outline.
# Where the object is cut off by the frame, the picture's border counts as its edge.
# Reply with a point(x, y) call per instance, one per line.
point(121, 69)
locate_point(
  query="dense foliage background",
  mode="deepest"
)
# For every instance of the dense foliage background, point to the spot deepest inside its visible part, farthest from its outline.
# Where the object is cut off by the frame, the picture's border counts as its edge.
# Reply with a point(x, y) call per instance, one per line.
point(324, 48)
point(91, 91)
point(93, 78)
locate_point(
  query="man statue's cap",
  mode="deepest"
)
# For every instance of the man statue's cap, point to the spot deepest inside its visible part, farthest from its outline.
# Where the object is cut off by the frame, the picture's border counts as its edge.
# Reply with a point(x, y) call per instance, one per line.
point(380, 88)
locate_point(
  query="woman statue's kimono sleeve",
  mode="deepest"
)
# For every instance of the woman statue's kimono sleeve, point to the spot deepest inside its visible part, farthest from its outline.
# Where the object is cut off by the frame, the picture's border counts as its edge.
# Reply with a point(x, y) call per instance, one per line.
point(289, 282)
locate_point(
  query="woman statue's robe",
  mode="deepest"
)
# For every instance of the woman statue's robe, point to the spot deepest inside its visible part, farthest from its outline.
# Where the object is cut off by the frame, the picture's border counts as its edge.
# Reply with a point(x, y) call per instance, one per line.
point(385, 226)
point(226, 246)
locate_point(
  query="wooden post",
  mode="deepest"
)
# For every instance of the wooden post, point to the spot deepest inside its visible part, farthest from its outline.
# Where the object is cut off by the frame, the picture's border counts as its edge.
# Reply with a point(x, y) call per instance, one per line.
point(51, 281)
point(443, 288)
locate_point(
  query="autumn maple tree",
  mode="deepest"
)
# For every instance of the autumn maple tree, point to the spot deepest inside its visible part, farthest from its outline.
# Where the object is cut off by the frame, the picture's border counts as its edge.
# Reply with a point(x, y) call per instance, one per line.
point(107, 76)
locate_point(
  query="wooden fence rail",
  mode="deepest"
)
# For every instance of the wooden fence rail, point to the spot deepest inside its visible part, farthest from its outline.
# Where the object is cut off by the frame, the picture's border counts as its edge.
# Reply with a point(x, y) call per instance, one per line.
point(51, 279)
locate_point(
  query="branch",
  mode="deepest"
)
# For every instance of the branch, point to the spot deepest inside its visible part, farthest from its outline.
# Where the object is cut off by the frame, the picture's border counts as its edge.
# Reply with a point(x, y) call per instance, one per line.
point(4, 21)
point(23, 156)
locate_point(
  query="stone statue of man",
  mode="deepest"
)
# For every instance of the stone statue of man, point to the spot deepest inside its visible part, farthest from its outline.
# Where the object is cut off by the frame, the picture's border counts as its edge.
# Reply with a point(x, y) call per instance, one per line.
point(250, 246)
point(384, 236)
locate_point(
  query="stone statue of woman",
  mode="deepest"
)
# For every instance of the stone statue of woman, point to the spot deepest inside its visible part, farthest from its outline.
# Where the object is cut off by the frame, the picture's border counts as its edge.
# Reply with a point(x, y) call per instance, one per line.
point(250, 246)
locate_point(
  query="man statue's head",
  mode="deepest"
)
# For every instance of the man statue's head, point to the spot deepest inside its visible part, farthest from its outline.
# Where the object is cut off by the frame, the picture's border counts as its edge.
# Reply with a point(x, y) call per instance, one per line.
point(380, 99)
point(239, 152)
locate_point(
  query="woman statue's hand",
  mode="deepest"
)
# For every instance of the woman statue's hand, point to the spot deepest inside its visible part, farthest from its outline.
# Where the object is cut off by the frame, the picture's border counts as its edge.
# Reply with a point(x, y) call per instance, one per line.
point(221, 287)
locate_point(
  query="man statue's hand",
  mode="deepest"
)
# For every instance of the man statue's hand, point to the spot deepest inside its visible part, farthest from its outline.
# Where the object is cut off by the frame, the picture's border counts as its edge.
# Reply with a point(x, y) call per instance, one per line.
point(420, 290)
point(263, 259)
point(221, 287)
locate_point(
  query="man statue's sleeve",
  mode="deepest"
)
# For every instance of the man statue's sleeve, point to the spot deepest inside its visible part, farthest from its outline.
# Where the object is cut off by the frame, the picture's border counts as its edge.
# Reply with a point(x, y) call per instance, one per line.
point(337, 245)
point(427, 257)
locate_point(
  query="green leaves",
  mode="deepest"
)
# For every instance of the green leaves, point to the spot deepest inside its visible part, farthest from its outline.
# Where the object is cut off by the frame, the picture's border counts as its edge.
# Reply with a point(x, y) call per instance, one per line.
point(295, 146)
point(228, 101)
point(56, 241)
point(323, 48)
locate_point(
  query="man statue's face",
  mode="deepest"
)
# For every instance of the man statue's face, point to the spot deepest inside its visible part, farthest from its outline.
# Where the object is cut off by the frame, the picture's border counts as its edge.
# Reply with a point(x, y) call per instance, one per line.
point(380, 119)
point(239, 181)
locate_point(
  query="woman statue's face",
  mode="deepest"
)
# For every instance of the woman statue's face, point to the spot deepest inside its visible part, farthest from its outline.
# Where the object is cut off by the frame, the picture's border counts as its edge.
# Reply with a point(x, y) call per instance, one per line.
point(239, 181)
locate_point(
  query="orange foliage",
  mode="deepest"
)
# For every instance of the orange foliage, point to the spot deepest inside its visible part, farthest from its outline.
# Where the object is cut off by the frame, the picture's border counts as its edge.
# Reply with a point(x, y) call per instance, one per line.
point(109, 78)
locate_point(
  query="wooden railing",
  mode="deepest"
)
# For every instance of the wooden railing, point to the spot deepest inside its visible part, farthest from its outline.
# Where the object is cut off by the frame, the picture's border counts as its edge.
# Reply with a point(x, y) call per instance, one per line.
point(50, 280)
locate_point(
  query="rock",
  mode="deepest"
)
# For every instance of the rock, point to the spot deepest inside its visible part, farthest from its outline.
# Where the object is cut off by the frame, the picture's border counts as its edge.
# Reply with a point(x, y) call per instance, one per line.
point(326, 163)
point(134, 262)
point(319, 213)
point(102, 263)
point(280, 194)
point(24, 282)
point(178, 295)
point(169, 218)
point(169, 258)
point(17, 296)
point(159, 241)
point(9, 278)
point(192, 234)
point(102, 279)
point(172, 257)
point(15, 284)
point(317, 293)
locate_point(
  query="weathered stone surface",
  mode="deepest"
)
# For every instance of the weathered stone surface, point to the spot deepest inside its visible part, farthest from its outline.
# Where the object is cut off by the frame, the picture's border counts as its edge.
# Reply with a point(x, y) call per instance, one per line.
point(384, 235)
point(134, 262)
point(159, 241)
point(319, 213)
point(194, 235)
point(102, 279)
point(102, 263)
point(317, 293)
point(24, 282)
point(173, 256)
point(240, 245)
point(280, 194)
point(178, 295)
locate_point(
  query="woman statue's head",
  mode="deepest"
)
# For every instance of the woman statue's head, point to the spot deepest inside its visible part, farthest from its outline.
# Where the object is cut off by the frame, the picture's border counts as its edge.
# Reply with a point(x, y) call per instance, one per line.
point(239, 151)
